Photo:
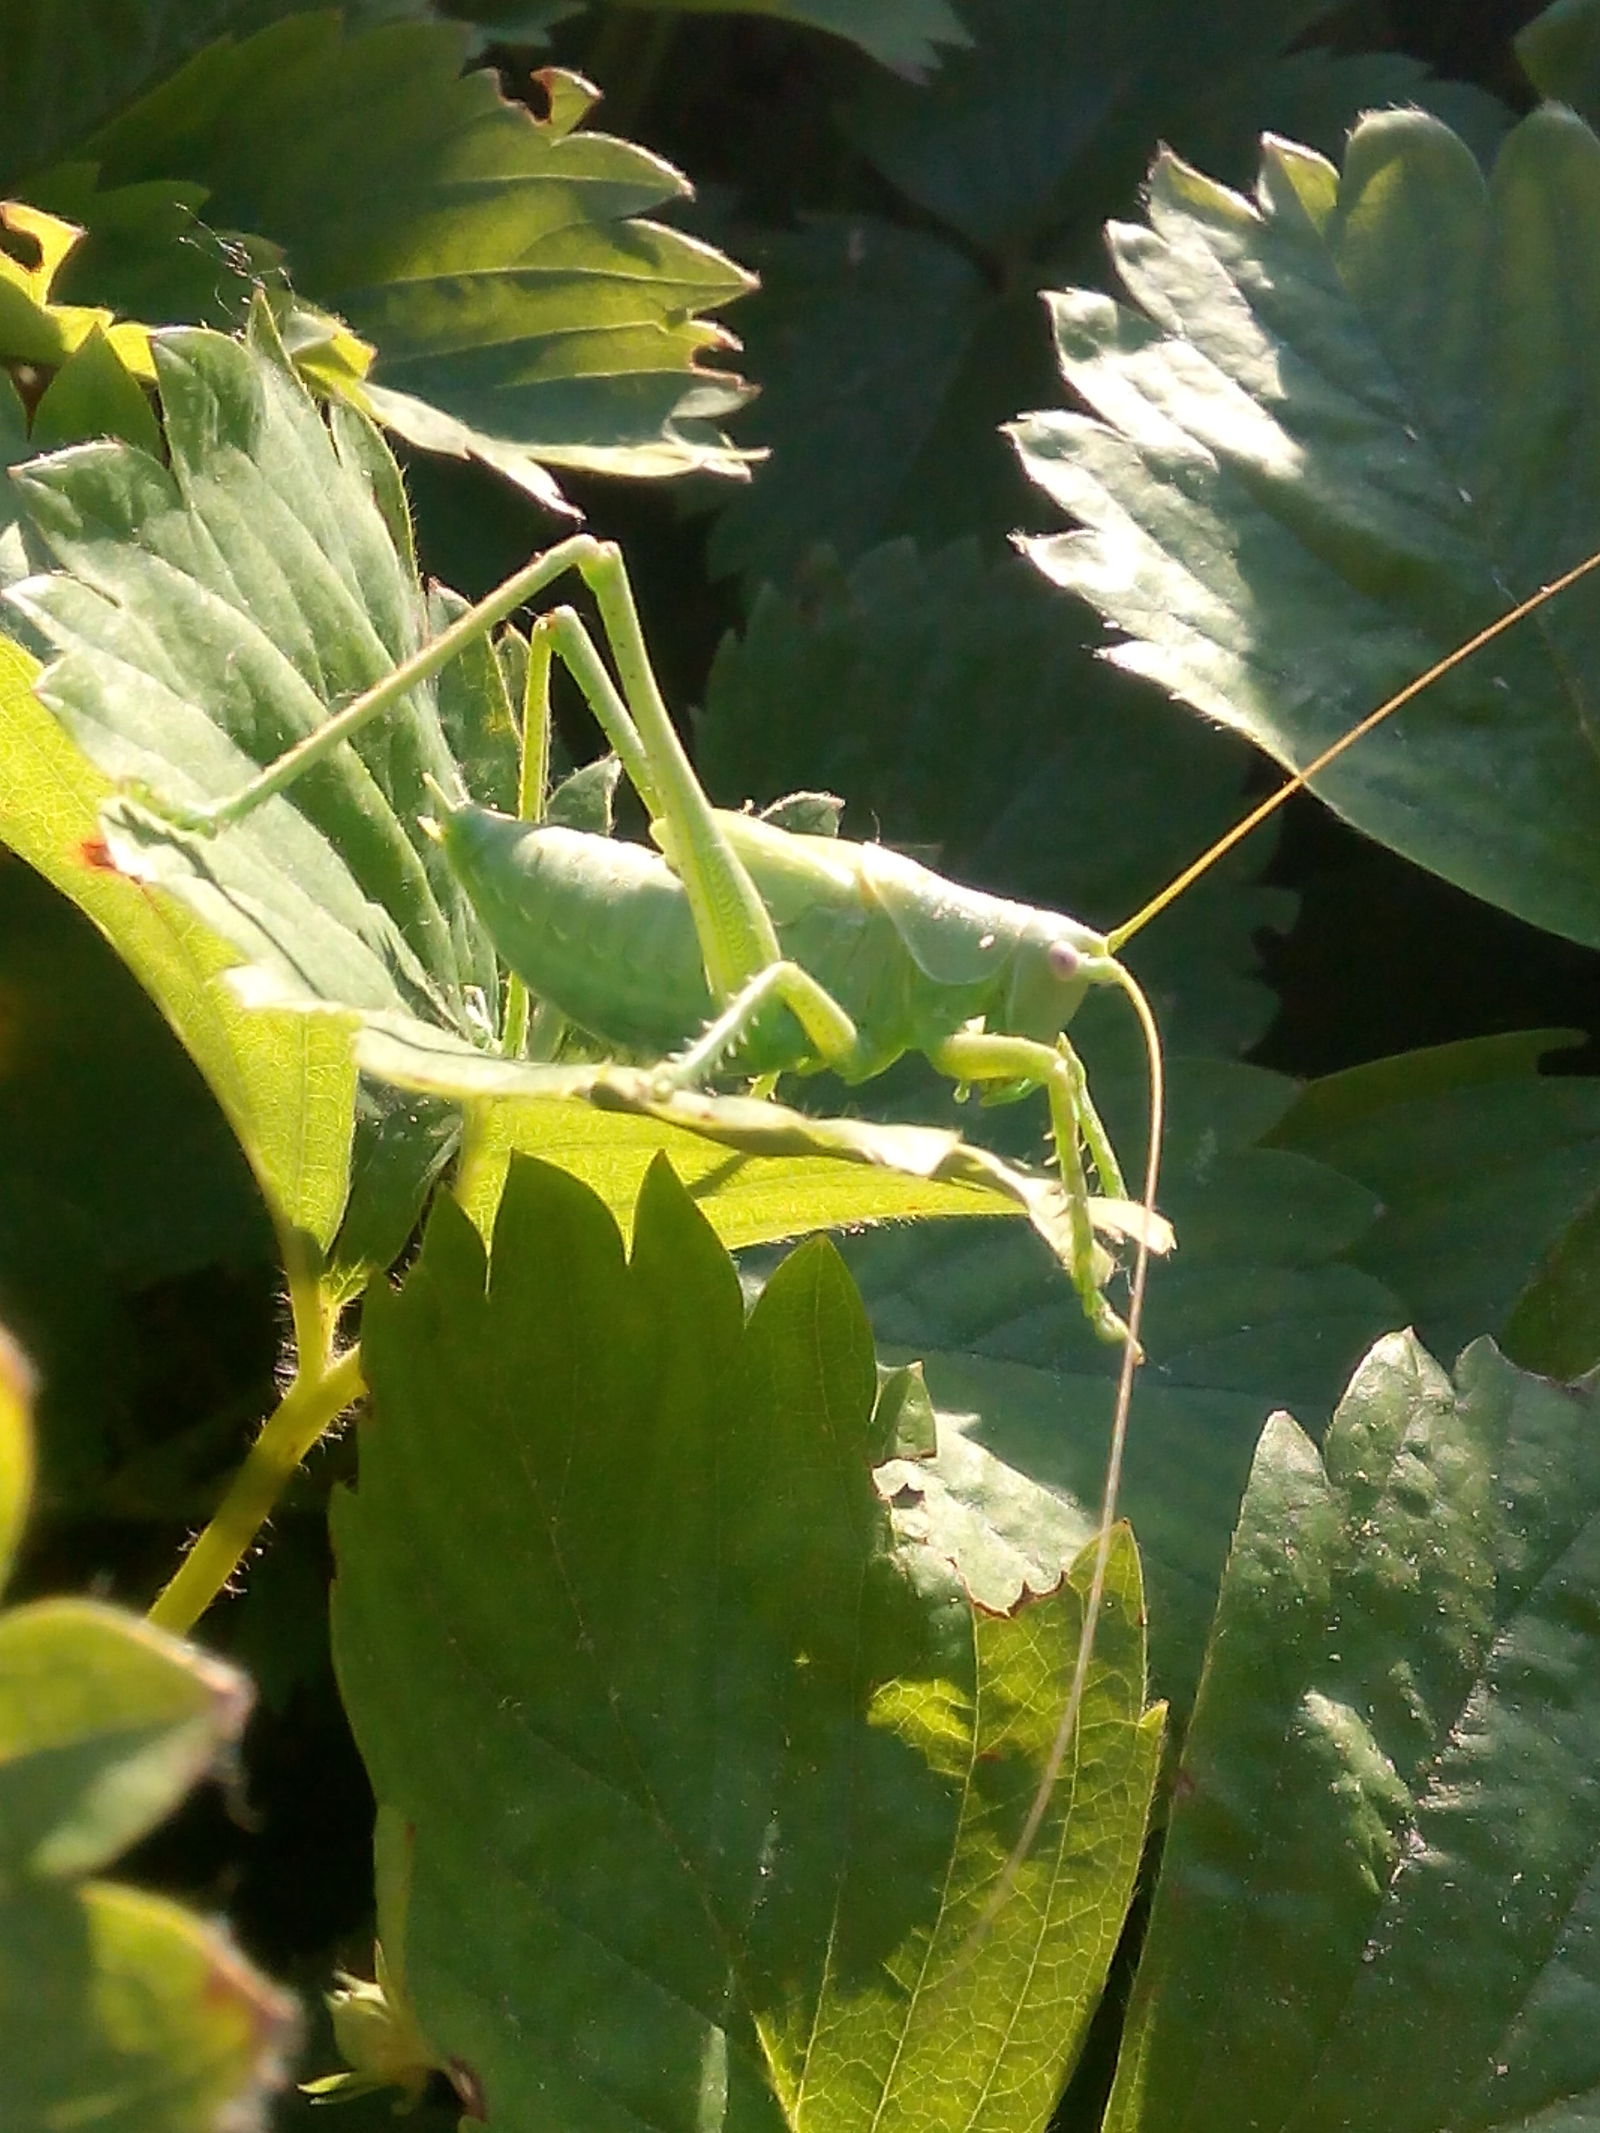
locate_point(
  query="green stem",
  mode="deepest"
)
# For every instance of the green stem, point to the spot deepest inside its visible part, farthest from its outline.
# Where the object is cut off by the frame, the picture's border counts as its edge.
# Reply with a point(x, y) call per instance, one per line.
point(533, 782)
point(318, 1396)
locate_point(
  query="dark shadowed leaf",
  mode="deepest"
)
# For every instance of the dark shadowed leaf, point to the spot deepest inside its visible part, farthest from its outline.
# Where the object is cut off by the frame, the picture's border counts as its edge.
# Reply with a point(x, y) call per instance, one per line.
point(118, 1174)
point(707, 1782)
point(906, 35)
point(1388, 1811)
point(1480, 1164)
point(1338, 429)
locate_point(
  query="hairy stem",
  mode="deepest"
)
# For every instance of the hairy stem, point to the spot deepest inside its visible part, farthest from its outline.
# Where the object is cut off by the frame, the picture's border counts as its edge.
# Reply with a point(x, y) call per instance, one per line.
point(320, 1393)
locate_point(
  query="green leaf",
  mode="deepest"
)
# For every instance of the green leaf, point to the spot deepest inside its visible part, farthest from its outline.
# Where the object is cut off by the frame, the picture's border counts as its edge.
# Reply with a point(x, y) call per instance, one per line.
point(525, 311)
point(708, 1784)
point(759, 1170)
point(1480, 1166)
point(94, 394)
point(1323, 453)
point(949, 700)
point(1388, 1813)
point(66, 66)
point(105, 1724)
point(128, 2013)
point(207, 614)
point(1258, 1307)
point(117, 2009)
point(285, 1081)
point(903, 34)
point(1560, 53)
point(890, 347)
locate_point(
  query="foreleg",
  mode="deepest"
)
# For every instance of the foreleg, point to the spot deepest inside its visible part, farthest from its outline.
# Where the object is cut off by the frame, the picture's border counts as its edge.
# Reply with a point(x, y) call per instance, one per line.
point(978, 1056)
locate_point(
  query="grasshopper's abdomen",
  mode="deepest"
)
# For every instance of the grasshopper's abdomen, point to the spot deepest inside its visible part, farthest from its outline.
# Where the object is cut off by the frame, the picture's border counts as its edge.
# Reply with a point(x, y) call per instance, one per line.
point(599, 928)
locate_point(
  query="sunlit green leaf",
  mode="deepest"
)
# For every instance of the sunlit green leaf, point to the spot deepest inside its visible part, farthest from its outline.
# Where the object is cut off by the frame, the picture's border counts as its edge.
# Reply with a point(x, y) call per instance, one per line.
point(285, 1081)
point(759, 1170)
point(525, 310)
point(1388, 1812)
point(1338, 430)
point(706, 1801)
point(208, 614)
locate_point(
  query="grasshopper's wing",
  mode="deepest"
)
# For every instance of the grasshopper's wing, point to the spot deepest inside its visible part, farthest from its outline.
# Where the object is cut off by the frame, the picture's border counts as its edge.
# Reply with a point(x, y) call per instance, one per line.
point(955, 936)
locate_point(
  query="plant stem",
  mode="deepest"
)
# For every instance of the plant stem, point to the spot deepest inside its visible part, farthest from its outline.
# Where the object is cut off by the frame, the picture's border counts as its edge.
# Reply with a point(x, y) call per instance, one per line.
point(533, 781)
point(320, 1393)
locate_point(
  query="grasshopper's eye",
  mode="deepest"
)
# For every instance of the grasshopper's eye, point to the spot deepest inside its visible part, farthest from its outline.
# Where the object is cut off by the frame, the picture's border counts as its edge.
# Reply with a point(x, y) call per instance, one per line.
point(1063, 959)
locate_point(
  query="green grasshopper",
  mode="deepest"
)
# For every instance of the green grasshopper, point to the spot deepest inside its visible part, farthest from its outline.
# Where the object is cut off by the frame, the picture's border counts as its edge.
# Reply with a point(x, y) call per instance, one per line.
point(744, 947)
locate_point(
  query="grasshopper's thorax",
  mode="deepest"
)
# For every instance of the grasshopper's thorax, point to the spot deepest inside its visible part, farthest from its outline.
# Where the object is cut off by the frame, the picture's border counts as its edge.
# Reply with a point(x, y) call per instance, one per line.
point(1055, 963)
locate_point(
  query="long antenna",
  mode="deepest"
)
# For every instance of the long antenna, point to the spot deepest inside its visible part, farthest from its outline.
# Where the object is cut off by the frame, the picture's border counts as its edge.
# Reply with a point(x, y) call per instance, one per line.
point(1093, 1604)
point(1318, 764)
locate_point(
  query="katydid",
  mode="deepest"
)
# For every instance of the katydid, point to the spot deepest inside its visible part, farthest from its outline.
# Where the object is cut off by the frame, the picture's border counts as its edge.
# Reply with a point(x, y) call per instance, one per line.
point(744, 948)
point(750, 949)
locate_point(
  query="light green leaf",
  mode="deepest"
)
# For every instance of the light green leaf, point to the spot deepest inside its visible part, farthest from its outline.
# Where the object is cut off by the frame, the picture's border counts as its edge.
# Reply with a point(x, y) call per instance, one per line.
point(759, 1170)
point(285, 1081)
point(1480, 1166)
point(1388, 1815)
point(708, 1791)
point(1341, 432)
point(128, 2013)
point(207, 614)
point(105, 1724)
point(524, 309)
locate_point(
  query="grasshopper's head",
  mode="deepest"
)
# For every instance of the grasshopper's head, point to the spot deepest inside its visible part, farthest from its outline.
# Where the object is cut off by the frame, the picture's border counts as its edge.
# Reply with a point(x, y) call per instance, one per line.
point(1056, 962)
